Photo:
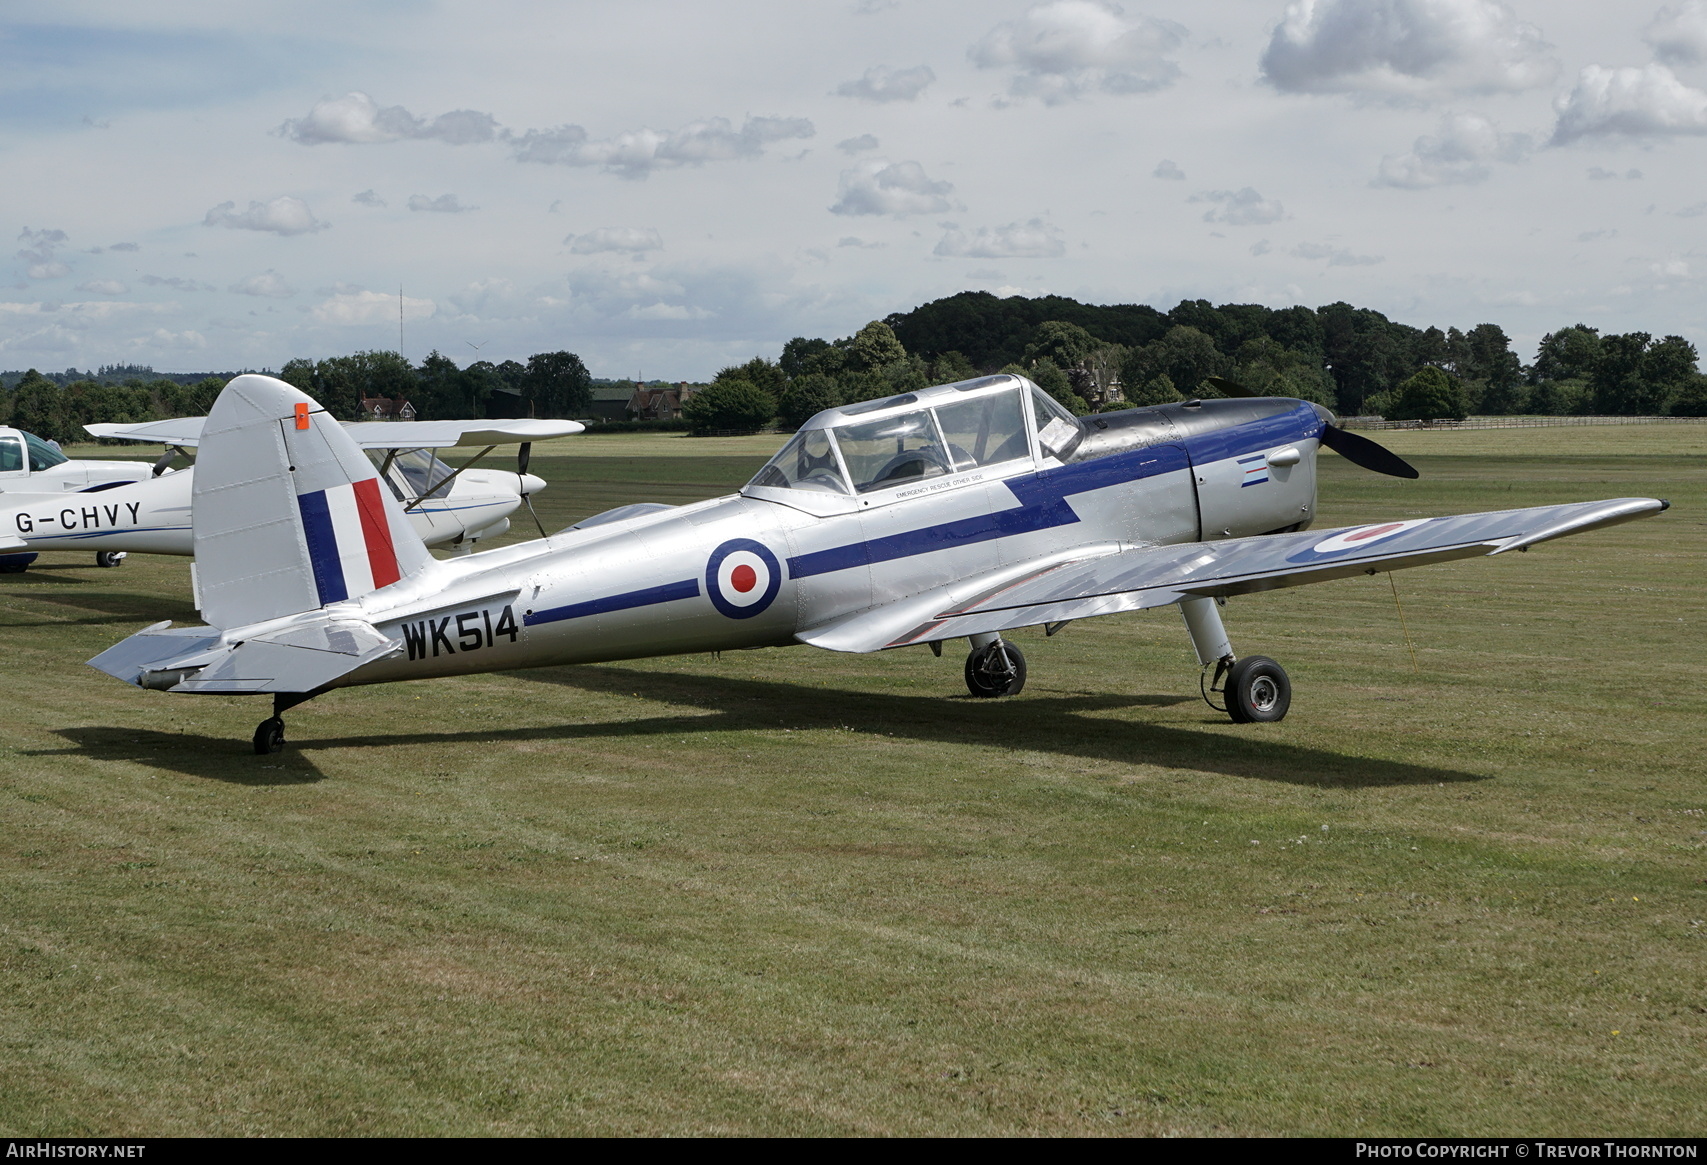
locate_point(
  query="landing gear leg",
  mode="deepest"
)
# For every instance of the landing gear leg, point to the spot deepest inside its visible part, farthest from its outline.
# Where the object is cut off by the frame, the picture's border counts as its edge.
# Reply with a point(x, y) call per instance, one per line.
point(1256, 689)
point(110, 557)
point(995, 667)
point(270, 733)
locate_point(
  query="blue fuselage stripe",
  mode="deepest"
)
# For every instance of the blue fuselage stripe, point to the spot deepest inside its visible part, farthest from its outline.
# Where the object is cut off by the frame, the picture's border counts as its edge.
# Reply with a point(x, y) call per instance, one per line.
point(1043, 496)
point(322, 547)
point(668, 593)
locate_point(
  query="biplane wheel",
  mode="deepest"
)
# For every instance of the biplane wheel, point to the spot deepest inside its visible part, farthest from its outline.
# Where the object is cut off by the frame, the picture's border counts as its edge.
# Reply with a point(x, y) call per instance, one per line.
point(996, 669)
point(269, 736)
point(1258, 691)
point(109, 557)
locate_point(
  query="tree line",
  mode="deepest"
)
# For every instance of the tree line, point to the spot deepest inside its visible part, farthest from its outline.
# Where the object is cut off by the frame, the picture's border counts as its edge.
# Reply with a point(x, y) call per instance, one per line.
point(549, 384)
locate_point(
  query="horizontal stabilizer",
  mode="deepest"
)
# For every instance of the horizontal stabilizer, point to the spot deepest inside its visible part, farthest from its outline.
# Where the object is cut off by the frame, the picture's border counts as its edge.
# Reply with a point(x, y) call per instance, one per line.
point(1051, 591)
point(186, 432)
point(300, 657)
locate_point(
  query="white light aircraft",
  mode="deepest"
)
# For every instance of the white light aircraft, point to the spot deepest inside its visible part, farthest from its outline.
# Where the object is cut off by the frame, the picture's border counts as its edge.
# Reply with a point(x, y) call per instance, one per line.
point(961, 511)
point(118, 507)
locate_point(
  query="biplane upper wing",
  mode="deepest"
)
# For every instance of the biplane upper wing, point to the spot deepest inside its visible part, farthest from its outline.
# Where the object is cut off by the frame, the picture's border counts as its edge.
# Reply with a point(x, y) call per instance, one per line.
point(186, 432)
point(1111, 577)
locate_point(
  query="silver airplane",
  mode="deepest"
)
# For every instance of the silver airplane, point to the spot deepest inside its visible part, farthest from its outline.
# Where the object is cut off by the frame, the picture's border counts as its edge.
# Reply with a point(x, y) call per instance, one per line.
point(147, 509)
point(959, 512)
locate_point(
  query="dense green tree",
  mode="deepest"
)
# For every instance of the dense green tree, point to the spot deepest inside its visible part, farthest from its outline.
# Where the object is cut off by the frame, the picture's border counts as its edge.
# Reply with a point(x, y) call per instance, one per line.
point(1158, 390)
point(1495, 369)
point(440, 391)
point(992, 331)
point(1691, 399)
point(1668, 365)
point(830, 360)
point(806, 396)
point(797, 352)
point(950, 367)
point(97, 402)
point(1619, 389)
point(341, 382)
point(41, 406)
point(1062, 344)
point(1184, 355)
point(729, 406)
point(1429, 395)
point(873, 347)
point(557, 384)
point(858, 386)
point(1561, 398)
point(1054, 381)
point(187, 400)
point(1297, 329)
point(1567, 354)
point(758, 372)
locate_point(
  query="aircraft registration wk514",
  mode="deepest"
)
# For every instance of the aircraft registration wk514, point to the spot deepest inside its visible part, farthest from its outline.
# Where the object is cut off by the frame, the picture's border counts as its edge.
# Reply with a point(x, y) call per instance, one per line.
point(958, 512)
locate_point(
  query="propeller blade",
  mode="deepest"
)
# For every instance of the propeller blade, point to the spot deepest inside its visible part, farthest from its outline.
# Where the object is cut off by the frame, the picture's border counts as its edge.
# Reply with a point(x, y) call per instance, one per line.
point(536, 520)
point(1228, 387)
point(1362, 451)
point(524, 454)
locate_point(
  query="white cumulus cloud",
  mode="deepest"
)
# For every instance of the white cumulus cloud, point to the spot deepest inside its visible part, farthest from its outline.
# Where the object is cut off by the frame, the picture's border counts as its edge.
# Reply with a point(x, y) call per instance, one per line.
point(625, 239)
point(1239, 208)
point(881, 83)
point(443, 204)
point(898, 188)
point(1062, 50)
point(103, 287)
point(356, 119)
point(1168, 169)
point(1645, 101)
point(1460, 153)
point(864, 143)
point(1406, 48)
point(367, 198)
point(637, 153)
point(1678, 35)
point(284, 215)
point(268, 283)
point(38, 253)
point(368, 307)
point(176, 283)
point(1028, 240)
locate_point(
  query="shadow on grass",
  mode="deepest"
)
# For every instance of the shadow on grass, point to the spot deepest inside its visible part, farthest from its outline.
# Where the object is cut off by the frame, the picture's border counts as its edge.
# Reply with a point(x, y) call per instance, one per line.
point(1049, 724)
point(214, 758)
point(119, 607)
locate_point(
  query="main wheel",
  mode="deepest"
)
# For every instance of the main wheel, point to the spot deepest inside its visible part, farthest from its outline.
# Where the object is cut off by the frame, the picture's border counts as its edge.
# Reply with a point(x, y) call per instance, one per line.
point(1258, 691)
point(996, 669)
point(109, 557)
point(269, 736)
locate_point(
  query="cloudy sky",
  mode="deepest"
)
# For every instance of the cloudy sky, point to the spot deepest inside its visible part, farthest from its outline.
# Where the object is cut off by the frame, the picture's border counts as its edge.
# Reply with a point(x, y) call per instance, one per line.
point(665, 186)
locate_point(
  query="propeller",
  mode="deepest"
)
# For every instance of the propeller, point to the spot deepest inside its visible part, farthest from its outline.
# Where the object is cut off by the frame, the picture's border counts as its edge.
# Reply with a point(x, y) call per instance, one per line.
point(524, 454)
point(1357, 449)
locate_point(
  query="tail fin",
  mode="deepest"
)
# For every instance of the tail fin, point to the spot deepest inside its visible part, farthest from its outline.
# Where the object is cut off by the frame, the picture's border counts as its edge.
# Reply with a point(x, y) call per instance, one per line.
point(288, 512)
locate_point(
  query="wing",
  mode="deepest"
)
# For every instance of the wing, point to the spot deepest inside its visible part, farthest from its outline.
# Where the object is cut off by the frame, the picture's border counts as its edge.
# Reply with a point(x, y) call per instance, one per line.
point(1110, 577)
point(444, 434)
point(186, 432)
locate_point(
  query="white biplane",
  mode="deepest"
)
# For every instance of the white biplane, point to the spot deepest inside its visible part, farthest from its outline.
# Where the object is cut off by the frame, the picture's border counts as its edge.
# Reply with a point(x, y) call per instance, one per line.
point(959, 512)
point(119, 507)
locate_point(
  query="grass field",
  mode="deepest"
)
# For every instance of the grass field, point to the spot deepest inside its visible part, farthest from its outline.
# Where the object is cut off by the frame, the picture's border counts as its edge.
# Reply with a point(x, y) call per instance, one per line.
point(794, 892)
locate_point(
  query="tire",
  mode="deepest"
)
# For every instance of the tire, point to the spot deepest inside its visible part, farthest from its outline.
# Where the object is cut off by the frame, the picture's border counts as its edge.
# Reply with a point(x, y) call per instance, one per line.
point(1258, 691)
point(269, 737)
point(997, 669)
point(109, 557)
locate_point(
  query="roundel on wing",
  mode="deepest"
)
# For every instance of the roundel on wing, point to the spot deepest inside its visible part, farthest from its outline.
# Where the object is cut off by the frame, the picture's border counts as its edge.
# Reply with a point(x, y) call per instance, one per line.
point(1347, 541)
point(742, 578)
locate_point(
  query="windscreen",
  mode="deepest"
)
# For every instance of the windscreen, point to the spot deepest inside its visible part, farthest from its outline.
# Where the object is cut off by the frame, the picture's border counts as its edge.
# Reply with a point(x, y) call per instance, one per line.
point(11, 455)
point(891, 452)
point(806, 462)
point(984, 430)
point(42, 455)
point(421, 470)
point(1057, 431)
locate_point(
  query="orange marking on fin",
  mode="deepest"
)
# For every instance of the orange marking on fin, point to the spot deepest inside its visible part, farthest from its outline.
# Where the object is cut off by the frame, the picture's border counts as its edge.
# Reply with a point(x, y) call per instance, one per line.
point(302, 415)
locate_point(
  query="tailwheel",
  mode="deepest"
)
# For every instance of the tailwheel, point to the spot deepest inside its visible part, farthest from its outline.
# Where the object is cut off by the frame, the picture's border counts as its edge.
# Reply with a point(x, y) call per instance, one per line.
point(1258, 691)
point(110, 557)
point(996, 669)
point(269, 736)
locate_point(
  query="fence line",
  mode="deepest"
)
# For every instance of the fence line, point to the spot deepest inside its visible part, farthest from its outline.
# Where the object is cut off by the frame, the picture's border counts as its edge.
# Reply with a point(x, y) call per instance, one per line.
point(1513, 422)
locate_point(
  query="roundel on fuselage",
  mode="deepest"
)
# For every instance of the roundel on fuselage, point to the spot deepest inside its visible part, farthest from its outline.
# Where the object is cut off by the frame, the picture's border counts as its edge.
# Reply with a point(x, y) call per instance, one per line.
point(742, 578)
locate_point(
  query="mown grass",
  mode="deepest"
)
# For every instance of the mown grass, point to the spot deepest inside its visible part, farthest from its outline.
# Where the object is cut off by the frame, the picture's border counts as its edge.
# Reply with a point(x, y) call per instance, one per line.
point(795, 892)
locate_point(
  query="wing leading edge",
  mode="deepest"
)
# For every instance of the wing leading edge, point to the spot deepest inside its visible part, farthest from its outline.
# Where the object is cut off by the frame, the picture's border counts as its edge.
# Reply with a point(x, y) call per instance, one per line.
point(186, 432)
point(1107, 579)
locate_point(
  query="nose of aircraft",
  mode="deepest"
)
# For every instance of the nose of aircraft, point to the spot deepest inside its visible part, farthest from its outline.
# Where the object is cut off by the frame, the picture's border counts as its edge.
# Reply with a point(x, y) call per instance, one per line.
point(531, 484)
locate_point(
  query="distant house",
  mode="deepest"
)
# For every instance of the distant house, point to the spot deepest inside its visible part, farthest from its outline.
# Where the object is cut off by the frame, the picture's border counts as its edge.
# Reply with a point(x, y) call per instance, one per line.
point(610, 402)
point(383, 408)
point(660, 402)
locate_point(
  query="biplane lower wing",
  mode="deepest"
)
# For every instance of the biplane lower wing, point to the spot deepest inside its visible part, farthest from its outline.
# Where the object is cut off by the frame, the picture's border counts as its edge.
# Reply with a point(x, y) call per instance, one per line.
point(1107, 579)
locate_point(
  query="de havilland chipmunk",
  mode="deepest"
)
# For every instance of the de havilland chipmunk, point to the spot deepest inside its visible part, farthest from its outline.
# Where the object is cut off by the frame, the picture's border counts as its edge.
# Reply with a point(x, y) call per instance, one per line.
point(115, 508)
point(957, 512)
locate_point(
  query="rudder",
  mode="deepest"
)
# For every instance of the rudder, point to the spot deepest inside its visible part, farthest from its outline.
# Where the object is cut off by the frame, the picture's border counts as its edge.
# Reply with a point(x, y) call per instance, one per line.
point(287, 511)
